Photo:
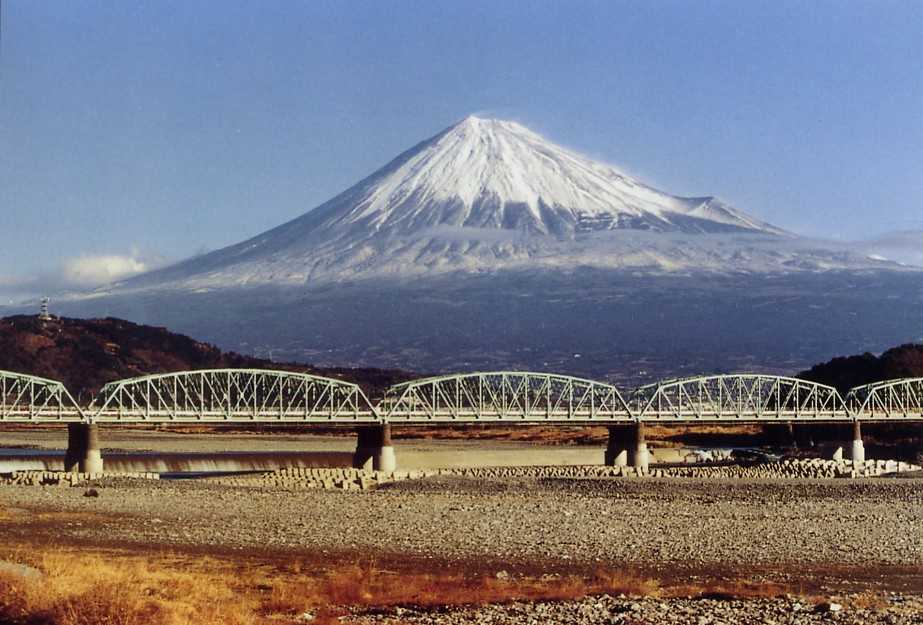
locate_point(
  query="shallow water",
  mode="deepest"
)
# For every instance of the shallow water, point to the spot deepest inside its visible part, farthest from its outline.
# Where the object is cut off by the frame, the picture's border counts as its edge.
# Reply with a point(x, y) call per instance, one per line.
point(133, 450)
point(174, 463)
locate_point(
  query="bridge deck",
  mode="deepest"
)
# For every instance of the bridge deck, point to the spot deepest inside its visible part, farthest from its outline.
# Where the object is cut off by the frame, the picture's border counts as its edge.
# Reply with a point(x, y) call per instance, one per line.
point(240, 396)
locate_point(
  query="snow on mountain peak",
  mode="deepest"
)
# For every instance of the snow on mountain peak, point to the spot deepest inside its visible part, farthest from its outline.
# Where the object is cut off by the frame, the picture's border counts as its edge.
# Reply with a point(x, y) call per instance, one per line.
point(482, 195)
point(491, 173)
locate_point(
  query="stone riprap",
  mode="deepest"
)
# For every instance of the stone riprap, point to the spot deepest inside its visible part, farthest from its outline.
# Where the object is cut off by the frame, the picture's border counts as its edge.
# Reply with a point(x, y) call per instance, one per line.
point(330, 479)
point(359, 479)
point(364, 479)
point(801, 468)
point(67, 478)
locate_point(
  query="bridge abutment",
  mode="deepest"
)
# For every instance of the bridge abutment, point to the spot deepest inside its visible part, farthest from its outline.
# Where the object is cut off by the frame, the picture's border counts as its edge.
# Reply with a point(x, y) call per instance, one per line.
point(640, 457)
point(858, 448)
point(83, 453)
point(374, 449)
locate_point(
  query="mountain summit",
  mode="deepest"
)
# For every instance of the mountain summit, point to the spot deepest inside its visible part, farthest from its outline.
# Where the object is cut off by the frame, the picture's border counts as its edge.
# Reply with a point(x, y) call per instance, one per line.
point(488, 247)
point(494, 174)
point(485, 195)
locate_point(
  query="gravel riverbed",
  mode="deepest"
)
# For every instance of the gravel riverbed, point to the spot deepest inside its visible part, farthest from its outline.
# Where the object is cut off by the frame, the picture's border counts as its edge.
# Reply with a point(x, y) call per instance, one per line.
point(606, 610)
point(656, 522)
point(833, 536)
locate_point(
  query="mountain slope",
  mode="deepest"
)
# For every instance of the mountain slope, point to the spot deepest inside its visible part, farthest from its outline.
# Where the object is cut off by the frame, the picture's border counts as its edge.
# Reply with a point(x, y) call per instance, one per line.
point(482, 195)
point(486, 173)
point(487, 247)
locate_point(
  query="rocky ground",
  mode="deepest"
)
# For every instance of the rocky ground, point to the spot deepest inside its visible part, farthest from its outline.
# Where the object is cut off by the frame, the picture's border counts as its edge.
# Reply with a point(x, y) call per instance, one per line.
point(652, 521)
point(829, 535)
point(606, 610)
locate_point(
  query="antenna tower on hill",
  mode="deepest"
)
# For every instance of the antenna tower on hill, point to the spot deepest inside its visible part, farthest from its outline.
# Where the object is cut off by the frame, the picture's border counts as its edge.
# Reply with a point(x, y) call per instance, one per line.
point(43, 313)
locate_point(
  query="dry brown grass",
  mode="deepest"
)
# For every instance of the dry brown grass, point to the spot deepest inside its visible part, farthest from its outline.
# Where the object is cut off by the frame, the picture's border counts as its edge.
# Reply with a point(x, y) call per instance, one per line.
point(736, 589)
point(83, 588)
point(116, 588)
point(79, 589)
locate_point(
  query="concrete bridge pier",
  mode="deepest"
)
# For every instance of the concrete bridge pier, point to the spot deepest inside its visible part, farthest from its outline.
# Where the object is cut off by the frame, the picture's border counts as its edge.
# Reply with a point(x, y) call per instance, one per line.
point(74, 444)
point(374, 449)
point(617, 446)
point(858, 448)
point(83, 453)
point(640, 458)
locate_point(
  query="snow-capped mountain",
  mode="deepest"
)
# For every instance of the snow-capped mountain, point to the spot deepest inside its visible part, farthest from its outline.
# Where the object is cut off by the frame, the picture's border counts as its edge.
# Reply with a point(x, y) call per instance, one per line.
point(487, 195)
point(493, 174)
point(488, 247)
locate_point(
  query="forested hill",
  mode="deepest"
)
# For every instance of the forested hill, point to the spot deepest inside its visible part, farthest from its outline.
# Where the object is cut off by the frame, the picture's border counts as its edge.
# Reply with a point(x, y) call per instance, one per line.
point(846, 372)
point(87, 353)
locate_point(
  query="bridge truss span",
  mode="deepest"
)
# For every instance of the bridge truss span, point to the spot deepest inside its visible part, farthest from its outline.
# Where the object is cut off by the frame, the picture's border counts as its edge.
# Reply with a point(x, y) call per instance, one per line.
point(889, 399)
point(739, 397)
point(232, 396)
point(504, 396)
point(28, 398)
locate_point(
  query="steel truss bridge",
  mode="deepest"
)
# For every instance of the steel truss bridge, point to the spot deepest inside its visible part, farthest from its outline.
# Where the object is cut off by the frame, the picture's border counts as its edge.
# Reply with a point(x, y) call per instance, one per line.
point(503, 396)
point(32, 399)
point(270, 396)
point(891, 399)
point(232, 395)
point(744, 397)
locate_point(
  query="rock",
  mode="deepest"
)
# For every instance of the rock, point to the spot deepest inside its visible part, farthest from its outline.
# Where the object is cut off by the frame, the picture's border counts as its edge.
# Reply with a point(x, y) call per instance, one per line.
point(829, 606)
point(14, 569)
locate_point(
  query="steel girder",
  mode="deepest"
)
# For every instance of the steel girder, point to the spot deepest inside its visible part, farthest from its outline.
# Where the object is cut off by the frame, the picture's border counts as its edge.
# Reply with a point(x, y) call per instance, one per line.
point(255, 395)
point(889, 399)
point(741, 397)
point(30, 398)
point(232, 395)
point(510, 396)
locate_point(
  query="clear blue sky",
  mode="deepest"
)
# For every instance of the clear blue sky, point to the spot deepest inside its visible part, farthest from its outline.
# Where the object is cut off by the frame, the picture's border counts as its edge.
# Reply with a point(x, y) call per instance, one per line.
point(159, 129)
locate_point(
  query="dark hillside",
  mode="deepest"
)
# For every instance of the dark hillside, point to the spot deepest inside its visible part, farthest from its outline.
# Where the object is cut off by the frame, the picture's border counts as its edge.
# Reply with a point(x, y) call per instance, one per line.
point(885, 440)
point(87, 353)
point(846, 372)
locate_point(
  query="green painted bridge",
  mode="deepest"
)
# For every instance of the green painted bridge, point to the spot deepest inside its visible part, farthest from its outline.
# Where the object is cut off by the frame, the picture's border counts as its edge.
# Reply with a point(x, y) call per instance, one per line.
point(236, 396)
point(271, 396)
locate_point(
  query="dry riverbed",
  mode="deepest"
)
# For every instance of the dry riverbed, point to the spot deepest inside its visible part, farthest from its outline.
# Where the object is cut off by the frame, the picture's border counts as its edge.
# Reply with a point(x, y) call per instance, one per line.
point(654, 523)
point(812, 540)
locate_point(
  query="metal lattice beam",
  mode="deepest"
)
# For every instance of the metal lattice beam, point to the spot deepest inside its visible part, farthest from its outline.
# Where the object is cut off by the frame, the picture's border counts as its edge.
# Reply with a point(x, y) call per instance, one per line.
point(515, 396)
point(889, 399)
point(741, 397)
point(255, 395)
point(27, 398)
point(232, 395)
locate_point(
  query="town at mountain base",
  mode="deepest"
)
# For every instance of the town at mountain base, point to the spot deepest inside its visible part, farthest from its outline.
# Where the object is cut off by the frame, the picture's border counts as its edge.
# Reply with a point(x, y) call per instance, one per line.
point(599, 324)
point(85, 354)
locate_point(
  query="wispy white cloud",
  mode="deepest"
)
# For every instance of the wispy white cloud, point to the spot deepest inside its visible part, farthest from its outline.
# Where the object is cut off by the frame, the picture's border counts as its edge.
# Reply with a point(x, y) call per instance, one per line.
point(98, 269)
point(75, 273)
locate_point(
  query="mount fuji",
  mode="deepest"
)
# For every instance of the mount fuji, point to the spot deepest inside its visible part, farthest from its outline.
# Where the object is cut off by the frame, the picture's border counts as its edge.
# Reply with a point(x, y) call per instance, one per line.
point(485, 195)
point(487, 245)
